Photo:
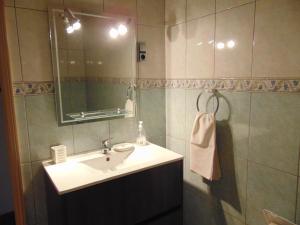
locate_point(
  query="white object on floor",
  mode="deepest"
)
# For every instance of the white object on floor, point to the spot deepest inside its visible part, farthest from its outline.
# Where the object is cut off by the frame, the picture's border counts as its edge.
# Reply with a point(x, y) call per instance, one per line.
point(123, 147)
point(59, 153)
point(273, 219)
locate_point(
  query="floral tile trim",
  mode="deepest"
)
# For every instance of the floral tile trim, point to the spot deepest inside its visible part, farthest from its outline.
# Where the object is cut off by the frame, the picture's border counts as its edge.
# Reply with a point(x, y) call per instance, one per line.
point(256, 85)
point(253, 85)
point(110, 80)
point(33, 88)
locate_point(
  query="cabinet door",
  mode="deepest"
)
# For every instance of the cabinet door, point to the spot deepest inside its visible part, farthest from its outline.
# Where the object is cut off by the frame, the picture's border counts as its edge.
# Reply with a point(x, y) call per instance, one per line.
point(154, 192)
point(127, 200)
point(173, 217)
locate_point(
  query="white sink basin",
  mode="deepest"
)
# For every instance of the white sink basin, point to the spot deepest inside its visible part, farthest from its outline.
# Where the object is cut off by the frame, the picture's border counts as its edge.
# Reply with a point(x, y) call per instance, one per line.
point(92, 168)
point(111, 161)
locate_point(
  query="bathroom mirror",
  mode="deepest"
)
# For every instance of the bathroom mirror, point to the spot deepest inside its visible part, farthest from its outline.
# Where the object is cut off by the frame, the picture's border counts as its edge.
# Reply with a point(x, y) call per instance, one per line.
point(94, 62)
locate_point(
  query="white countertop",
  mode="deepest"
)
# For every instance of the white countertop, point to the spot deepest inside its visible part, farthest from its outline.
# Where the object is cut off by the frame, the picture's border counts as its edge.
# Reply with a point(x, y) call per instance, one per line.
point(84, 170)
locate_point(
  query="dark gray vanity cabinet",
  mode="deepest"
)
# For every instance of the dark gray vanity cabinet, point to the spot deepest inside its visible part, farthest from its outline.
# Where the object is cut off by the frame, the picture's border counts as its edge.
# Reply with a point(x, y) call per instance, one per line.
point(149, 197)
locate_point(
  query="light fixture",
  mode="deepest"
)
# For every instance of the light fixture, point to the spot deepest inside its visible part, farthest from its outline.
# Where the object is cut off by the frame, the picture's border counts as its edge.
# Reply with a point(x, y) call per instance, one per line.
point(113, 33)
point(71, 22)
point(70, 29)
point(76, 25)
point(122, 29)
point(230, 44)
point(220, 45)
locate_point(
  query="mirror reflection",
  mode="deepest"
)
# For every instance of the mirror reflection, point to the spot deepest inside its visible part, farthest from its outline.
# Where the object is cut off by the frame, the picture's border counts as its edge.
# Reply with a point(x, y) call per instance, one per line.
point(95, 65)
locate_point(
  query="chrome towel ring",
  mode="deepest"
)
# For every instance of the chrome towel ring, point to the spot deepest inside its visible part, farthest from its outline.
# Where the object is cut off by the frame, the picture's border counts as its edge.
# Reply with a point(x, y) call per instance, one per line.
point(214, 92)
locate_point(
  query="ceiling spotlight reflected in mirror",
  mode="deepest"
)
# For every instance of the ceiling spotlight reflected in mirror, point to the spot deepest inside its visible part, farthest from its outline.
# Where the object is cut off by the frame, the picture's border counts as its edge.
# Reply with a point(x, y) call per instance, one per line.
point(122, 29)
point(71, 22)
point(113, 33)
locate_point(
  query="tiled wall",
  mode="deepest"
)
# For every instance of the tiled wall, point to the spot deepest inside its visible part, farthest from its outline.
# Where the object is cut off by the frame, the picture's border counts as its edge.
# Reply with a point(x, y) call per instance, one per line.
point(258, 134)
point(30, 58)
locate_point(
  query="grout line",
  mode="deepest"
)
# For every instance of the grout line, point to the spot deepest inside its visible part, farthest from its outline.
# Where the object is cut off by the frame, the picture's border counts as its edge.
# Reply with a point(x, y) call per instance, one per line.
point(214, 43)
point(234, 7)
point(185, 41)
point(214, 13)
point(247, 158)
point(253, 40)
point(250, 116)
point(273, 168)
point(36, 10)
point(201, 17)
point(33, 194)
point(297, 188)
point(27, 127)
point(19, 43)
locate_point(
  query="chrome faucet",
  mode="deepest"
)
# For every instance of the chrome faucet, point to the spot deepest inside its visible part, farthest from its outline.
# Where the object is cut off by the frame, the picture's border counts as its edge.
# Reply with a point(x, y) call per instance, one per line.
point(106, 146)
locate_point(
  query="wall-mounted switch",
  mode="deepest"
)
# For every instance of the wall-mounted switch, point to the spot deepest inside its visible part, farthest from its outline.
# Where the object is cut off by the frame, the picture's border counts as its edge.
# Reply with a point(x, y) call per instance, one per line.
point(141, 51)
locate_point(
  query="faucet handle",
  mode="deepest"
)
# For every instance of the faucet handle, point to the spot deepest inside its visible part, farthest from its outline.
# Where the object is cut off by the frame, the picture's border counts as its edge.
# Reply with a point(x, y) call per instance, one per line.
point(106, 143)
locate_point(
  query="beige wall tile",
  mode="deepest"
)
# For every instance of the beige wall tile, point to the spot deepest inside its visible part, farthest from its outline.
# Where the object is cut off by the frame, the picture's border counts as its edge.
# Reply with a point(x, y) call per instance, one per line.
point(234, 27)
point(151, 12)
point(37, 4)
point(226, 4)
point(175, 41)
point(200, 48)
point(175, 11)
point(199, 8)
point(277, 36)
point(34, 45)
point(13, 44)
point(124, 7)
point(154, 65)
point(9, 2)
point(90, 6)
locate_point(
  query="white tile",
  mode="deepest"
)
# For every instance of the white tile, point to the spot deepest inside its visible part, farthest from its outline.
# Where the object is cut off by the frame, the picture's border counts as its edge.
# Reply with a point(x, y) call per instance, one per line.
point(123, 7)
point(277, 36)
point(89, 6)
point(37, 4)
point(151, 12)
point(34, 45)
point(13, 44)
point(154, 65)
point(199, 8)
point(175, 11)
point(233, 47)
point(227, 4)
point(200, 48)
point(175, 41)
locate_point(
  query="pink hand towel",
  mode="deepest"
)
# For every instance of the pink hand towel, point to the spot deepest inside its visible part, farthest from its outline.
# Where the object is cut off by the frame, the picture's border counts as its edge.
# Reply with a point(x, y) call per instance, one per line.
point(203, 149)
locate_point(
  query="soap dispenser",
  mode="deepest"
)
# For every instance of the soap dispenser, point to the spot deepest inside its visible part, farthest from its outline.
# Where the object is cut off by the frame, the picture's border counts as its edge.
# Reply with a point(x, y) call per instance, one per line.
point(141, 138)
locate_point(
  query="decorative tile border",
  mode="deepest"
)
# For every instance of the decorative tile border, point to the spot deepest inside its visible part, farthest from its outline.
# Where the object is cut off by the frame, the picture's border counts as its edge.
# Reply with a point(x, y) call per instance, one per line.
point(252, 85)
point(110, 80)
point(33, 88)
point(249, 85)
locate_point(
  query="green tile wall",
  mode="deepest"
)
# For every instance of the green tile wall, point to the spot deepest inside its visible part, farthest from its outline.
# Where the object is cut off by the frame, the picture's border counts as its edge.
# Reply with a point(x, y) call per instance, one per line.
point(258, 140)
